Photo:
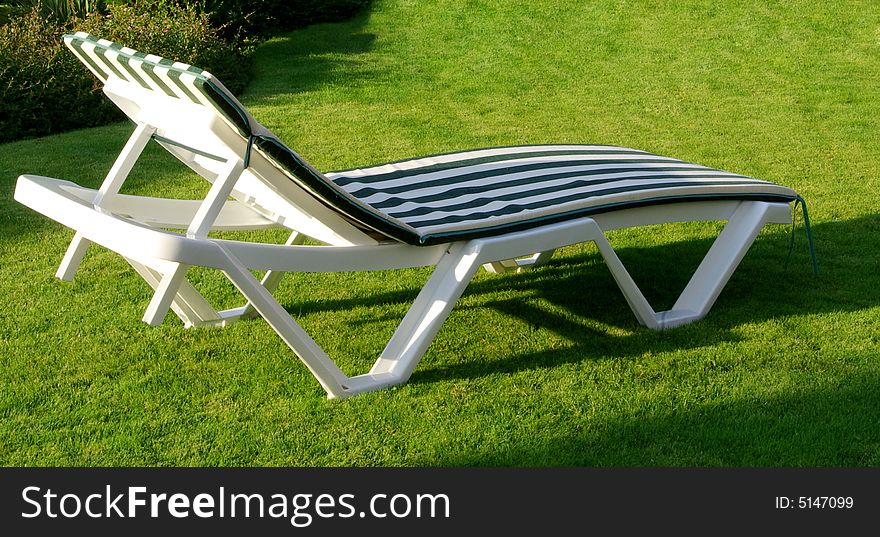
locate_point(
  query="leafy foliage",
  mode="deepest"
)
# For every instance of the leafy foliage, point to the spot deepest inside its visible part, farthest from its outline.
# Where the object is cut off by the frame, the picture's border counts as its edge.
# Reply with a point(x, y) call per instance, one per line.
point(265, 17)
point(45, 89)
point(176, 32)
point(60, 10)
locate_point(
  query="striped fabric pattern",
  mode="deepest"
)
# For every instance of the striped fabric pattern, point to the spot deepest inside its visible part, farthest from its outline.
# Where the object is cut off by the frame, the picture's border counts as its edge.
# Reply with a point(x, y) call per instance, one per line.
point(495, 189)
point(455, 196)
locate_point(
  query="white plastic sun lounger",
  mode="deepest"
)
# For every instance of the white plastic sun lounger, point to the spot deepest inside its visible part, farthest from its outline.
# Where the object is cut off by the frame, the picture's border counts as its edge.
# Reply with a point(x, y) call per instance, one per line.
point(505, 208)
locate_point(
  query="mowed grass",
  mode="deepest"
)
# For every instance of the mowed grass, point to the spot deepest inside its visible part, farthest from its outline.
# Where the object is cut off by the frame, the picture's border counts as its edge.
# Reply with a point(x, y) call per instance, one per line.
point(543, 368)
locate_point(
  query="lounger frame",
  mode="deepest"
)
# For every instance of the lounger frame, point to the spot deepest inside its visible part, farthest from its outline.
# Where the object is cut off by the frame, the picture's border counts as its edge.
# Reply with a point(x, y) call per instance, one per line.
point(249, 191)
point(163, 257)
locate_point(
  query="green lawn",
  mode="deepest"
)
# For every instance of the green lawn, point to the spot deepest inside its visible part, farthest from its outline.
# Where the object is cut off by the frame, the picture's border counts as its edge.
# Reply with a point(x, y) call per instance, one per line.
point(542, 368)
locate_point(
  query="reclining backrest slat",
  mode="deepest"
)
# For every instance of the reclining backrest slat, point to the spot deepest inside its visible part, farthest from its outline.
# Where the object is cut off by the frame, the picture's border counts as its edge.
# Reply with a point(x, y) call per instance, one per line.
point(169, 78)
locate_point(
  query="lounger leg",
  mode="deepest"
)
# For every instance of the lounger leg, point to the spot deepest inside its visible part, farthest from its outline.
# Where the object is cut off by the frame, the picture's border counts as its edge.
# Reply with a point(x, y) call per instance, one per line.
point(428, 313)
point(328, 374)
point(201, 223)
point(631, 292)
point(164, 295)
point(407, 346)
point(718, 265)
point(188, 304)
point(73, 257)
point(710, 277)
point(111, 185)
point(272, 278)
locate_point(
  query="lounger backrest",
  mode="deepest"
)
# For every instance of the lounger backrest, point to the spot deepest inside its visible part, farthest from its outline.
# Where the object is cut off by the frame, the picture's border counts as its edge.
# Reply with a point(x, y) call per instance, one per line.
point(150, 88)
point(203, 124)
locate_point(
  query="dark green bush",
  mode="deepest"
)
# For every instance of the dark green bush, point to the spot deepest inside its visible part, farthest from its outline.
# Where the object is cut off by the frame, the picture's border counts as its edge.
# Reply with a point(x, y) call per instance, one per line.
point(45, 89)
point(175, 32)
point(261, 18)
point(60, 10)
point(64, 10)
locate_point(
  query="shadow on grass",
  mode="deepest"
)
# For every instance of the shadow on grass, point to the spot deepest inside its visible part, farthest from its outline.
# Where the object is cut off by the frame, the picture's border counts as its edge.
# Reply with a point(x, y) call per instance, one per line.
point(310, 58)
point(832, 425)
point(576, 299)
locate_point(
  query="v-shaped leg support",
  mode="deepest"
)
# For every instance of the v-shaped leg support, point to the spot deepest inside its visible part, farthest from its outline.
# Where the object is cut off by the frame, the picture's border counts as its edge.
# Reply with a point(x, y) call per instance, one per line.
point(409, 343)
point(457, 266)
point(711, 275)
point(186, 302)
point(171, 281)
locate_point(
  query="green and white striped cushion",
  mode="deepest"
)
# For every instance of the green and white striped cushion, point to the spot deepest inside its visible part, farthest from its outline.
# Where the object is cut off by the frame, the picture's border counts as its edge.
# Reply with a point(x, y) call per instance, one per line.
point(493, 190)
point(454, 196)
